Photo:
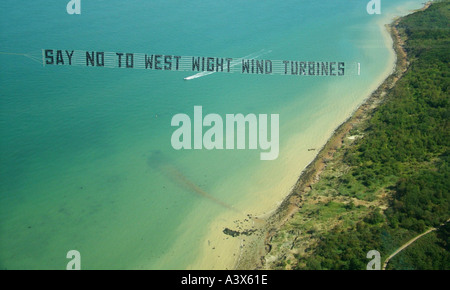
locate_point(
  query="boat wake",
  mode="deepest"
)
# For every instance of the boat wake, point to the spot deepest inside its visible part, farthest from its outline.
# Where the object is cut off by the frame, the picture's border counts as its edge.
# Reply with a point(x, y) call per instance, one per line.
point(234, 63)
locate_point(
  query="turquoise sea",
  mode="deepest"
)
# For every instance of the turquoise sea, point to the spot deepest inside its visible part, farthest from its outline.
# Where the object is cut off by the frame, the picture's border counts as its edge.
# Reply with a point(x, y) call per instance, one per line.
point(86, 161)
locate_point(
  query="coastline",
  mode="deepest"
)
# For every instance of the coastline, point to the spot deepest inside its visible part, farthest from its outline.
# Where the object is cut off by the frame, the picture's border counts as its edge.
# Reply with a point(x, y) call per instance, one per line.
point(252, 256)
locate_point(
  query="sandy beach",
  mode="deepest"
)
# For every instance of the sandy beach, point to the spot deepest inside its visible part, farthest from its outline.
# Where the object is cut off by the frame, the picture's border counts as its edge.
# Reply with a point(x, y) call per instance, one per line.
point(253, 255)
point(275, 205)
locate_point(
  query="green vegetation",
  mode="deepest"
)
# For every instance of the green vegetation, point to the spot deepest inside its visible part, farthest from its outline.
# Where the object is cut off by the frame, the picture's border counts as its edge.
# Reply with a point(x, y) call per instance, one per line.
point(405, 151)
point(431, 252)
point(392, 183)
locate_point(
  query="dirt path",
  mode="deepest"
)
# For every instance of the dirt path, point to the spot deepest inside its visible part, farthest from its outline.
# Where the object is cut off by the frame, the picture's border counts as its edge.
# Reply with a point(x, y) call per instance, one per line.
point(409, 243)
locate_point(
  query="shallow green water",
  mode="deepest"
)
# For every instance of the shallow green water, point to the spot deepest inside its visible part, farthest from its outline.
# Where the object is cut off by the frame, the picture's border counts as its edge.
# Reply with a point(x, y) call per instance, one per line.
point(83, 150)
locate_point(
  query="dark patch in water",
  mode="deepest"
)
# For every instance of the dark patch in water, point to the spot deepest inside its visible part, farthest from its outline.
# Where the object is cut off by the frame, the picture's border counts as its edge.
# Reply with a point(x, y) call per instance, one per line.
point(157, 160)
